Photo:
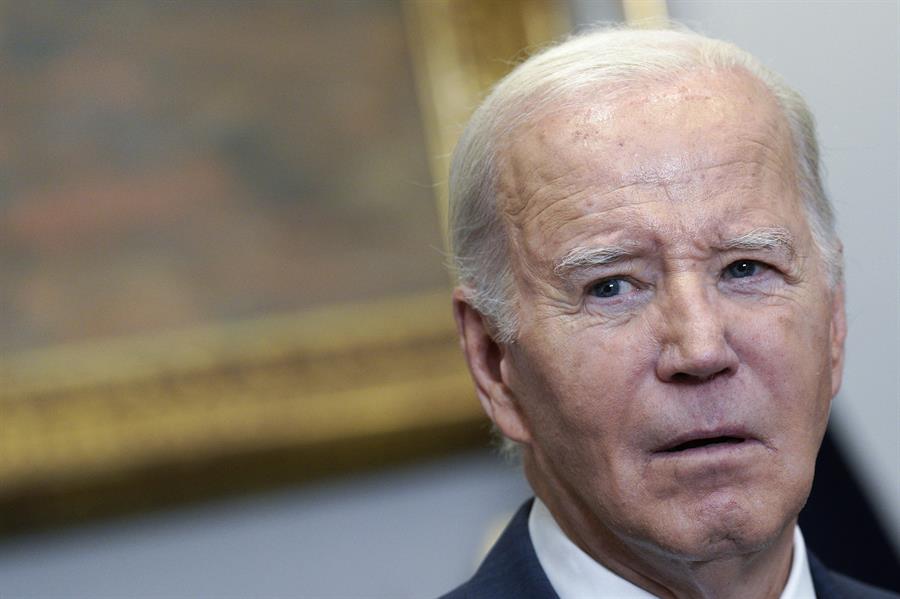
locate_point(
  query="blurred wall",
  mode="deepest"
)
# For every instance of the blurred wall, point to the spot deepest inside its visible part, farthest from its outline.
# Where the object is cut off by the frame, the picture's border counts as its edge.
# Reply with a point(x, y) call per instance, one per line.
point(413, 532)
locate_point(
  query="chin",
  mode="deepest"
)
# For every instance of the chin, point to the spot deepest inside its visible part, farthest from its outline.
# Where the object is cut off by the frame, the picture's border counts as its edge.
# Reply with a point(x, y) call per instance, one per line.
point(724, 526)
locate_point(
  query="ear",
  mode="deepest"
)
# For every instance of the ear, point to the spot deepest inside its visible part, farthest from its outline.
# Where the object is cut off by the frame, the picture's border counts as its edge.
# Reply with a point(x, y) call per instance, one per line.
point(838, 336)
point(486, 358)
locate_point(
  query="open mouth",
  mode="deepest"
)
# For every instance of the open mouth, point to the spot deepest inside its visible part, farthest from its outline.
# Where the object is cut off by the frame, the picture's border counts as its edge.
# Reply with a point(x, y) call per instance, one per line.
point(705, 442)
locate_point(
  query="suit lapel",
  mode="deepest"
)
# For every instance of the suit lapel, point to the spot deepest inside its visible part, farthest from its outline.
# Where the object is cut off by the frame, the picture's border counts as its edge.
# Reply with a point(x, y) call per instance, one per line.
point(511, 569)
point(824, 585)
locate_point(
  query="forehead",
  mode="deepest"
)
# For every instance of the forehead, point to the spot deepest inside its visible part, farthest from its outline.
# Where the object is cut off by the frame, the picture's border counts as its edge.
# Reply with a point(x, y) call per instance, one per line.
point(703, 136)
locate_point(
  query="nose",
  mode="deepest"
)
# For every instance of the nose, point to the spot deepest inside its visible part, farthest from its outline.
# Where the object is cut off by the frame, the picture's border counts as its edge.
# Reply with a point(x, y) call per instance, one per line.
point(695, 345)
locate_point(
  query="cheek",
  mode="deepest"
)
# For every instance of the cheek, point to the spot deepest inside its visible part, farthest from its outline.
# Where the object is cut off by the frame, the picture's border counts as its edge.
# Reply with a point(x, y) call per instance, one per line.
point(788, 355)
point(581, 387)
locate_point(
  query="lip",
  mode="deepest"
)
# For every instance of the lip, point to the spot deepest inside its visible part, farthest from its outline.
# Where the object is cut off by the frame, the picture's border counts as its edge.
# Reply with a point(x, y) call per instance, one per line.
point(707, 440)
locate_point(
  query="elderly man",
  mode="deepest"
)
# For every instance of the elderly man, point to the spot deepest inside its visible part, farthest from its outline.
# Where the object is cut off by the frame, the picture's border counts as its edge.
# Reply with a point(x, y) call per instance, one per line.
point(652, 310)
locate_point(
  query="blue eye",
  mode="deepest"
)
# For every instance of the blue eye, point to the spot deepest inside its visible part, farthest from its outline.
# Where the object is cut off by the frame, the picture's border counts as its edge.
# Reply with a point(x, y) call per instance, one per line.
point(743, 268)
point(608, 288)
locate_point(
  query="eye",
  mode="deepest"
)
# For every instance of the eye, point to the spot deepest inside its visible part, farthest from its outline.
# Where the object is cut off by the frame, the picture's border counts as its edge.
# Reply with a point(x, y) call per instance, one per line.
point(743, 268)
point(610, 288)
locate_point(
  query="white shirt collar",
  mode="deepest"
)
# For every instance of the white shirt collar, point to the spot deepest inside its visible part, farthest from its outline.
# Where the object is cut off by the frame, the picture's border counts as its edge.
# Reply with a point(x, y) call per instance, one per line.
point(575, 575)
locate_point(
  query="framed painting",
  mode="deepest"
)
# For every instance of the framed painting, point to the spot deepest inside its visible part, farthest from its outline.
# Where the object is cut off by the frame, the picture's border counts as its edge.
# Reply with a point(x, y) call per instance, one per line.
point(221, 258)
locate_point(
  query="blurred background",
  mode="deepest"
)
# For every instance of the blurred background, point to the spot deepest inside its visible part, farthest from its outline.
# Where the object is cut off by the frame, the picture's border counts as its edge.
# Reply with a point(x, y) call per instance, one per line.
point(227, 365)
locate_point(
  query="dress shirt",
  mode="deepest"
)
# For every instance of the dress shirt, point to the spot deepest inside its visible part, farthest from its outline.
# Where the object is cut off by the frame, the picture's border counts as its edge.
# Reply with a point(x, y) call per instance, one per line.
point(575, 575)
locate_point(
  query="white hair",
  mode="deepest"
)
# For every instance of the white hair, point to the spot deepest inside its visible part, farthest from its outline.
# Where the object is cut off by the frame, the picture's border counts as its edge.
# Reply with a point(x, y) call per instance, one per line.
point(613, 61)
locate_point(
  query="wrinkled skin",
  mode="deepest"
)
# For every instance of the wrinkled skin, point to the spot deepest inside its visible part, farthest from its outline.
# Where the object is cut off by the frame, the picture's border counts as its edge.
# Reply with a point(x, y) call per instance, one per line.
point(684, 336)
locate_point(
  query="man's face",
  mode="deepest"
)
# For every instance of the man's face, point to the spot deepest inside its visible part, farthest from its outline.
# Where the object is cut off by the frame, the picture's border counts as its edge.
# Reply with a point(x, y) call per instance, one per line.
point(679, 340)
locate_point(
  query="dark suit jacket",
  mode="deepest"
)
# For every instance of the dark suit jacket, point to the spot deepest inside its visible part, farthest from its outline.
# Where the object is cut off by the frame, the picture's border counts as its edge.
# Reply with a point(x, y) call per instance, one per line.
point(511, 571)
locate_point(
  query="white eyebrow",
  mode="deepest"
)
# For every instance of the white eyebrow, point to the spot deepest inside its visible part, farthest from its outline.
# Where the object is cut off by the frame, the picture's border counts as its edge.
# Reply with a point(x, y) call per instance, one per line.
point(767, 238)
point(586, 257)
point(764, 238)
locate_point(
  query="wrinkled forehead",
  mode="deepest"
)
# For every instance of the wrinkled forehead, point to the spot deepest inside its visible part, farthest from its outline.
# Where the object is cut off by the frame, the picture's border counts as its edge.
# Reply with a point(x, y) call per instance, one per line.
point(658, 132)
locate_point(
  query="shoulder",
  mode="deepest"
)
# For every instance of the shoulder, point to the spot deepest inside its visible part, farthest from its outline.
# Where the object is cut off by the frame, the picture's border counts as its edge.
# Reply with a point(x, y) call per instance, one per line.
point(511, 569)
point(831, 585)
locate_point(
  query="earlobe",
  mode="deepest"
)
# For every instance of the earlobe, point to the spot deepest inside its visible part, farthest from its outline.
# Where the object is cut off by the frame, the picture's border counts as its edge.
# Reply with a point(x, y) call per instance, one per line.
point(484, 357)
point(838, 336)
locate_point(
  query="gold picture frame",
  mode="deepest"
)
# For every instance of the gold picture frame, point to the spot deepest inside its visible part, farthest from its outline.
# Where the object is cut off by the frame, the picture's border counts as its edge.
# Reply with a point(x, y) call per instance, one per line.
point(131, 424)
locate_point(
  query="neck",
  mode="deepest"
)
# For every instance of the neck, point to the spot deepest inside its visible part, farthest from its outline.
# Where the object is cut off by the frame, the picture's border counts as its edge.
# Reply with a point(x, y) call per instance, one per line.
point(757, 573)
point(761, 574)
